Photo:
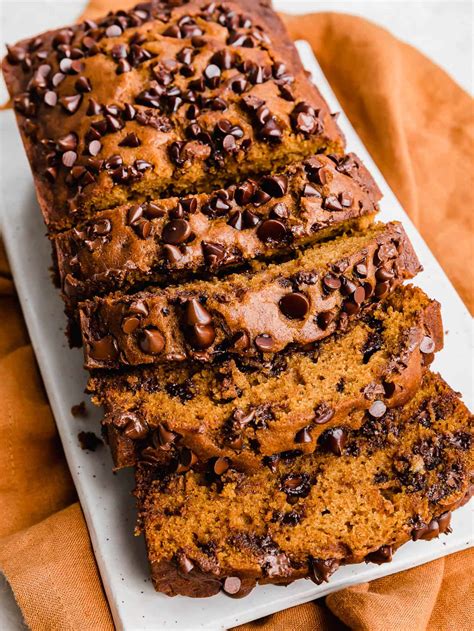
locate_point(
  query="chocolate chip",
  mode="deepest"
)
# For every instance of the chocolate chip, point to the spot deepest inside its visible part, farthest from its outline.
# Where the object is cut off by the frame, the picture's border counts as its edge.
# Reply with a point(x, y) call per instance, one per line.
point(275, 185)
point(151, 341)
point(271, 230)
point(165, 437)
point(196, 313)
point(93, 108)
point(296, 485)
point(382, 555)
point(223, 58)
point(335, 440)
point(303, 436)
point(173, 253)
point(176, 231)
point(94, 147)
point(138, 307)
point(130, 324)
point(351, 307)
point(280, 211)
point(331, 282)
point(143, 228)
point(250, 219)
point(264, 342)
point(212, 74)
point(427, 345)
point(232, 585)
point(187, 459)
point(69, 158)
point(113, 31)
point(83, 85)
point(377, 409)
point(310, 191)
point(221, 465)
point(260, 197)
point(346, 199)
point(324, 319)
point(71, 103)
point(213, 253)
point(321, 569)
point(50, 98)
point(130, 140)
point(359, 295)
point(89, 441)
point(361, 270)
point(134, 427)
point(381, 289)
point(323, 414)
point(134, 213)
point(294, 306)
point(105, 349)
point(271, 130)
point(236, 220)
point(383, 274)
point(304, 119)
point(245, 192)
point(332, 203)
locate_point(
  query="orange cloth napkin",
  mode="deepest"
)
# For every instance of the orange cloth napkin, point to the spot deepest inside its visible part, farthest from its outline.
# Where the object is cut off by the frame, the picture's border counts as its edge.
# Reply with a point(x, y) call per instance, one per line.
point(418, 125)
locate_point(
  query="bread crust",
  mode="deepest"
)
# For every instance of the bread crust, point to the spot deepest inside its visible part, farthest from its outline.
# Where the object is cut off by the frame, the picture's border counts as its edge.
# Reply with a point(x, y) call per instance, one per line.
point(38, 80)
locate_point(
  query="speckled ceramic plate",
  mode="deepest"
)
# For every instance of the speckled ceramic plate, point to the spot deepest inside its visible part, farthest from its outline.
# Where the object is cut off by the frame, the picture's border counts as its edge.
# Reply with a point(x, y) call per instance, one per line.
point(105, 498)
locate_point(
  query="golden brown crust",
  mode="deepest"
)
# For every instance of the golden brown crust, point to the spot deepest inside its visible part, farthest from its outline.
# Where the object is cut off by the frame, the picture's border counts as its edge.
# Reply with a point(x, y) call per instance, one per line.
point(294, 303)
point(106, 110)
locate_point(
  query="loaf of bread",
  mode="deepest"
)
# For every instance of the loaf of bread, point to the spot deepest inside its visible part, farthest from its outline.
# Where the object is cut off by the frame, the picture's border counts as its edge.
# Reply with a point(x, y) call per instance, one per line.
point(165, 97)
point(396, 478)
point(243, 416)
point(241, 314)
point(250, 315)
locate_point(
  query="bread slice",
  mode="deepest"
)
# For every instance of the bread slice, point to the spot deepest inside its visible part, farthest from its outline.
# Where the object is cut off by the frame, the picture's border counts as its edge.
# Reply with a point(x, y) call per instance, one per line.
point(169, 240)
point(250, 315)
point(398, 477)
point(167, 96)
point(237, 415)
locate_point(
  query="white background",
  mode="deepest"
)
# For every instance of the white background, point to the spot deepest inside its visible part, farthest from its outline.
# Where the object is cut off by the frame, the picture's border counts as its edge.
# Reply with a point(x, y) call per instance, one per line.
point(440, 29)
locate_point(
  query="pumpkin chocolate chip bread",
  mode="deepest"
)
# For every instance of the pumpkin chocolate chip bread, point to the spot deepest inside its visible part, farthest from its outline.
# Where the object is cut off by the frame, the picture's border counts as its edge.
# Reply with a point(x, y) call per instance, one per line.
point(170, 239)
point(242, 416)
point(396, 478)
point(250, 314)
point(166, 97)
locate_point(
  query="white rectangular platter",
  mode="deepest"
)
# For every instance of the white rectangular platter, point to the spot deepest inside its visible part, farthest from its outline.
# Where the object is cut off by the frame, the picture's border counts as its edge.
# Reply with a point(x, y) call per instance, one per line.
point(106, 498)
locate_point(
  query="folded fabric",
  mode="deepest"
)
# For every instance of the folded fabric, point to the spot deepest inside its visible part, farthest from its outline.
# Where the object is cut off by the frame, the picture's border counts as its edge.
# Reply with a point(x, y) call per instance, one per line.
point(417, 124)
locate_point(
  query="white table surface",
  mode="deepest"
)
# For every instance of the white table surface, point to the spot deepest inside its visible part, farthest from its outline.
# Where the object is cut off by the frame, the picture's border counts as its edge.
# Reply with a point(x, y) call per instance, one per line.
point(440, 29)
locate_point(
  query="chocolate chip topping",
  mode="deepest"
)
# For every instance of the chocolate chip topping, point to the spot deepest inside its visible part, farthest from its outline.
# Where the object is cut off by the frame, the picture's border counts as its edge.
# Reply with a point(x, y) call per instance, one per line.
point(271, 230)
point(176, 231)
point(151, 341)
point(196, 313)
